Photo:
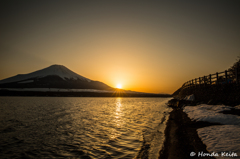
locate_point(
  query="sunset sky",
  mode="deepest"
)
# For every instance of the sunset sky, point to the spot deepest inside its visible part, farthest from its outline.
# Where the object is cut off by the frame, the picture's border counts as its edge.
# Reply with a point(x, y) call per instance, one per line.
point(147, 46)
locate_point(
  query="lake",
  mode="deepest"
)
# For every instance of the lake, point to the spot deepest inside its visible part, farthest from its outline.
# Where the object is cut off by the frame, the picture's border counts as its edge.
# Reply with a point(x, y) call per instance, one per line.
point(79, 127)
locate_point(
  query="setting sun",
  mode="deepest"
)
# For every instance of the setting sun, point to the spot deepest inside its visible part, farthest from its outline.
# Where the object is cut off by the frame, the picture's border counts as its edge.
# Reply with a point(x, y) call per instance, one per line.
point(119, 86)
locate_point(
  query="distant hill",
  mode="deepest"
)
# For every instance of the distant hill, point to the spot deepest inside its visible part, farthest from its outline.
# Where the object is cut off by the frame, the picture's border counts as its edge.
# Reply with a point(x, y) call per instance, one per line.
point(55, 76)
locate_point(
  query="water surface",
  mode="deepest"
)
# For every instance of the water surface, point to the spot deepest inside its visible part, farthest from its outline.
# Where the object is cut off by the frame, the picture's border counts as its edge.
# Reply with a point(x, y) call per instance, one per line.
point(55, 127)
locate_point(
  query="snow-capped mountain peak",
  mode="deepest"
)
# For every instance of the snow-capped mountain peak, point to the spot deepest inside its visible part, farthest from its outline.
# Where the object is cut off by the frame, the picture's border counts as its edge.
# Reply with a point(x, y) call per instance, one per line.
point(58, 70)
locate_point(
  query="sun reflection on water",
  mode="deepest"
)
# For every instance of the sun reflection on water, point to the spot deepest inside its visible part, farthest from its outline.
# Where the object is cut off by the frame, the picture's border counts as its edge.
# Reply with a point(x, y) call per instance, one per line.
point(118, 122)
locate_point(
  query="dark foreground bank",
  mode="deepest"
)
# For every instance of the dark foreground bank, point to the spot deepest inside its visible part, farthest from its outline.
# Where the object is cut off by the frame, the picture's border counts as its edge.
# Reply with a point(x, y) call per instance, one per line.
point(182, 141)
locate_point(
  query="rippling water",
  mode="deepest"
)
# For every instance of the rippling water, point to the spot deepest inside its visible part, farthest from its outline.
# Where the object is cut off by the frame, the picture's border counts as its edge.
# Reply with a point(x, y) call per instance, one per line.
point(55, 127)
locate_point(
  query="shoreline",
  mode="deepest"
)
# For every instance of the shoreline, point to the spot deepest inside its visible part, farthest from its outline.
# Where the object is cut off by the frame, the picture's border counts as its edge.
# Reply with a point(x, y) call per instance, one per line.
point(78, 94)
point(181, 137)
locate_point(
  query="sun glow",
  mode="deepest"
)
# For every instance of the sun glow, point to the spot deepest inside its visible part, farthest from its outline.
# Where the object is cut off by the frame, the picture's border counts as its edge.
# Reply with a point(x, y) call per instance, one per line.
point(119, 86)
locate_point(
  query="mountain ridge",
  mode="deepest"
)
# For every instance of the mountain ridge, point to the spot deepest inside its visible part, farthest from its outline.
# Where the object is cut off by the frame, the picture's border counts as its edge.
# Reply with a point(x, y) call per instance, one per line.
point(55, 69)
point(54, 76)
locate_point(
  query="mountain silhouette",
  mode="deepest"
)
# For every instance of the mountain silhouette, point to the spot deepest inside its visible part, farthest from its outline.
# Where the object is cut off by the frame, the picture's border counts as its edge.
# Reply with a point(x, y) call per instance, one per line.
point(54, 76)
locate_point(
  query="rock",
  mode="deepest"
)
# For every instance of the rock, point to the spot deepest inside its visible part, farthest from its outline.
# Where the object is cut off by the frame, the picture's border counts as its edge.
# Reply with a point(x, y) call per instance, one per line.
point(190, 98)
point(175, 103)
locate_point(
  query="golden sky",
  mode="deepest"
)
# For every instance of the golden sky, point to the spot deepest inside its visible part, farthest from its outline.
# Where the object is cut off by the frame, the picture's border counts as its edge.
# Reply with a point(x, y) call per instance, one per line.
point(146, 46)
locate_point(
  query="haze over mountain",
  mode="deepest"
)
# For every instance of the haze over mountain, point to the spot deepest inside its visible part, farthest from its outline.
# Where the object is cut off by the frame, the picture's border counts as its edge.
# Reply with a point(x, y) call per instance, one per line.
point(54, 76)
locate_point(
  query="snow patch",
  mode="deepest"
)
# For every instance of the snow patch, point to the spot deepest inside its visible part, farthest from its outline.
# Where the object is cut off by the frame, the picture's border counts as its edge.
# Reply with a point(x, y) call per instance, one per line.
point(28, 81)
point(221, 138)
point(210, 113)
point(56, 90)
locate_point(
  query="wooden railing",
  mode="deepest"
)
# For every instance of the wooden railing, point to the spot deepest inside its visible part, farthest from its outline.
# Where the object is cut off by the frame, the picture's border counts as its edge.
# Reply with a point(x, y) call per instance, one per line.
point(224, 77)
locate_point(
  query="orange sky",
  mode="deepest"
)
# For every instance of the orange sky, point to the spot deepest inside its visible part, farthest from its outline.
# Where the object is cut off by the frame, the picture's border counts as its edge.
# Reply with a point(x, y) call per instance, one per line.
point(145, 46)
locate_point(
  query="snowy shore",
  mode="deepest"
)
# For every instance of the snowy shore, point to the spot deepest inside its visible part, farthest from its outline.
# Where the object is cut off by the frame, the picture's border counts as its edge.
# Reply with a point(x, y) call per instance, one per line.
point(222, 140)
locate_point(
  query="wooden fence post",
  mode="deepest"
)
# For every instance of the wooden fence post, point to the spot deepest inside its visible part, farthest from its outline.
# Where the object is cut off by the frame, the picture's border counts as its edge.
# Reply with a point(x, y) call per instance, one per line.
point(210, 79)
point(217, 77)
point(226, 76)
point(204, 79)
point(237, 74)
